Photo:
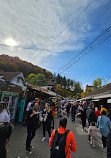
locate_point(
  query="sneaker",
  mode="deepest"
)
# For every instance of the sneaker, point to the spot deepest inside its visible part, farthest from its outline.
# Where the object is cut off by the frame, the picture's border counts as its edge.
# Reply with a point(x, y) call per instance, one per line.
point(105, 149)
point(88, 141)
point(31, 147)
point(29, 150)
point(43, 139)
point(93, 146)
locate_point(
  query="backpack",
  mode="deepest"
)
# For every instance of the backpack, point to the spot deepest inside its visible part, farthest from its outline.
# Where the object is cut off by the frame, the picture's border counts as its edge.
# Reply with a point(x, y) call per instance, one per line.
point(58, 145)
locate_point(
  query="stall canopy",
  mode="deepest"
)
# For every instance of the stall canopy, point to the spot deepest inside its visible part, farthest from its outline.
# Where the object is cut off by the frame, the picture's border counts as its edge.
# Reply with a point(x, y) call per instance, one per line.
point(36, 91)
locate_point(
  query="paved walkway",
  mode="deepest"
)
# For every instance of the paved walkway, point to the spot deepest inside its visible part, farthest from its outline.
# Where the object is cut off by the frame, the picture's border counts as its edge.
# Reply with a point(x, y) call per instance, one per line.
point(16, 146)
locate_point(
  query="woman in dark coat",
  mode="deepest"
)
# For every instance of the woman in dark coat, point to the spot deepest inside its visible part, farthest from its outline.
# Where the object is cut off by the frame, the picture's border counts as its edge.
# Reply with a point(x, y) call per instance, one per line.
point(5, 133)
point(83, 117)
point(47, 119)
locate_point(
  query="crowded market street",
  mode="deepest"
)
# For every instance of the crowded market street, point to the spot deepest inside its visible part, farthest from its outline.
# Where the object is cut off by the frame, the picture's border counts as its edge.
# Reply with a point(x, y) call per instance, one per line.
point(16, 146)
point(55, 79)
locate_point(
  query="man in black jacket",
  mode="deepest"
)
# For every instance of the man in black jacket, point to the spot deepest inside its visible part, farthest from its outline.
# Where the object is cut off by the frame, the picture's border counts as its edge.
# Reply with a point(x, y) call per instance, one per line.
point(32, 120)
point(73, 111)
point(91, 116)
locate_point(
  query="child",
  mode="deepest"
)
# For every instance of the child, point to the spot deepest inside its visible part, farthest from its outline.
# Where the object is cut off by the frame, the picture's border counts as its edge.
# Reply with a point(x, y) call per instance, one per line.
point(92, 131)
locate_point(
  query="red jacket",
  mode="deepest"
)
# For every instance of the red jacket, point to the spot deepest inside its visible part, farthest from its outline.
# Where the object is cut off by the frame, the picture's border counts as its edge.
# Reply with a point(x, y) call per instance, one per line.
point(97, 113)
point(69, 140)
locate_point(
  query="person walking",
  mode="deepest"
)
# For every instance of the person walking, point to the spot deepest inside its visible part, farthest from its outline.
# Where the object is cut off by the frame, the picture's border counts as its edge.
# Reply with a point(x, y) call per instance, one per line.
point(68, 109)
point(103, 108)
point(37, 100)
point(4, 113)
point(47, 119)
point(73, 111)
point(5, 133)
point(62, 141)
point(53, 113)
point(92, 131)
point(91, 116)
point(97, 112)
point(83, 117)
point(29, 105)
point(32, 120)
point(103, 123)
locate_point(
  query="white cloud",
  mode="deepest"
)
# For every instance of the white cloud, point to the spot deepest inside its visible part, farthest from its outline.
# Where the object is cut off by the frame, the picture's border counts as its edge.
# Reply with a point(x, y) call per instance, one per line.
point(34, 24)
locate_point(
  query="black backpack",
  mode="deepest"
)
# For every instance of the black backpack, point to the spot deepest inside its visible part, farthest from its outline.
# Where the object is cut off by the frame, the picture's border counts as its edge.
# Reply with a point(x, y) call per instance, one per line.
point(58, 145)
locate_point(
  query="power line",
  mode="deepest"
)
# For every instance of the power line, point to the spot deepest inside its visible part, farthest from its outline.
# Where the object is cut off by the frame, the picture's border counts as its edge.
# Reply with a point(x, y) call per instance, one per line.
point(74, 20)
point(88, 47)
point(86, 54)
point(69, 24)
point(91, 49)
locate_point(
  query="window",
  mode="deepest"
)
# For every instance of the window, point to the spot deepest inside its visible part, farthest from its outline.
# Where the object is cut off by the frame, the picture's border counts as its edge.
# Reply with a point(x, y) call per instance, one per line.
point(18, 79)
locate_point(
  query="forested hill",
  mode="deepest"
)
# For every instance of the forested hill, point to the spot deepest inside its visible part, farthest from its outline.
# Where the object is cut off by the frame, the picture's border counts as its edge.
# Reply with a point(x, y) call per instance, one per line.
point(14, 64)
point(39, 76)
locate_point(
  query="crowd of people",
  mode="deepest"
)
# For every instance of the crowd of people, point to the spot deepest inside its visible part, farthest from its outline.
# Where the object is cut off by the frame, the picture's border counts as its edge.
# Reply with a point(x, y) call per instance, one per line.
point(61, 141)
point(98, 120)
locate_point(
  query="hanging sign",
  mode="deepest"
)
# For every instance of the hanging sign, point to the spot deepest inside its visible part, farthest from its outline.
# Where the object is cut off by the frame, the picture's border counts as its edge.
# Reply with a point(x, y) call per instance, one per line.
point(108, 100)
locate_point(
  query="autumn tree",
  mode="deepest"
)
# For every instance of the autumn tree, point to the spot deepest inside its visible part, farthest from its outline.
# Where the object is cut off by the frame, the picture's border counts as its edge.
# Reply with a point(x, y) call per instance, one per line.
point(77, 89)
point(41, 80)
point(87, 91)
point(97, 83)
point(38, 79)
point(31, 78)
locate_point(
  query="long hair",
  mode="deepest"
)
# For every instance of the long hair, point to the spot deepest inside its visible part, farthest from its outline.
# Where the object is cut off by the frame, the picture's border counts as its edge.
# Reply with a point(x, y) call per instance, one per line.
point(3, 106)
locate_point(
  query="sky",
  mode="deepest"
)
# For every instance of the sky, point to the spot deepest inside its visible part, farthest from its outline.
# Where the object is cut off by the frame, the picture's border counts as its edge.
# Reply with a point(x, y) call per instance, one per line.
point(50, 33)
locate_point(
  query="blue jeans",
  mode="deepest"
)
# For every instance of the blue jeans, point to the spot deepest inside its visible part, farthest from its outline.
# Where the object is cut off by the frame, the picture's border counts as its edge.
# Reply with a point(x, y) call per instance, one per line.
point(73, 117)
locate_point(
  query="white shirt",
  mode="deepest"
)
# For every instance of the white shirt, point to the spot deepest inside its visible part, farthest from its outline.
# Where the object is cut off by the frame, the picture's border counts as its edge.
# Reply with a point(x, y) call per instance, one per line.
point(4, 116)
point(28, 106)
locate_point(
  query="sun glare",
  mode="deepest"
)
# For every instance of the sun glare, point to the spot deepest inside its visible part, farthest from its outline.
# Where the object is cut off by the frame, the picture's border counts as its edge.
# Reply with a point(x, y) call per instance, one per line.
point(10, 42)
